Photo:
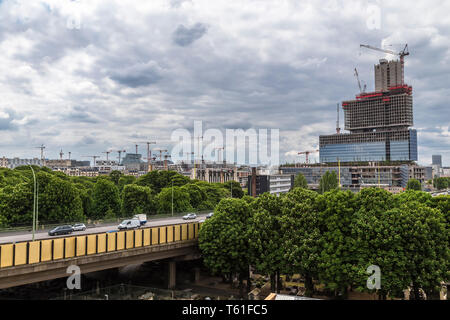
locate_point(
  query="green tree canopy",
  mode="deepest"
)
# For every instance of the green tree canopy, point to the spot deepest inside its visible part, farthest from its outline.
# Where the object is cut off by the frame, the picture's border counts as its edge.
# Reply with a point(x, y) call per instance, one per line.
point(137, 199)
point(224, 241)
point(181, 200)
point(414, 184)
point(301, 235)
point(300, 181)
point(328, 182)
point(106, 201)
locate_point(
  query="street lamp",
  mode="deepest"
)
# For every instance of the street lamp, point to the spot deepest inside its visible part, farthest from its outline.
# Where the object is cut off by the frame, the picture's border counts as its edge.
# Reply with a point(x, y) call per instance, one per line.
point(34, 202)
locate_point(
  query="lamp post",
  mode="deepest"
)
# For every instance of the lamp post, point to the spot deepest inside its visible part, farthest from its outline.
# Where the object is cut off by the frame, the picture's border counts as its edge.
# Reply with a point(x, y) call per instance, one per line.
point(34, 203)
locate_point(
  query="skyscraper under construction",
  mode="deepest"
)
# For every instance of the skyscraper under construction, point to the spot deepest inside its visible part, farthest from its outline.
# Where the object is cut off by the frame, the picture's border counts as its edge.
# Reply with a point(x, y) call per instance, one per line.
point(378, 122)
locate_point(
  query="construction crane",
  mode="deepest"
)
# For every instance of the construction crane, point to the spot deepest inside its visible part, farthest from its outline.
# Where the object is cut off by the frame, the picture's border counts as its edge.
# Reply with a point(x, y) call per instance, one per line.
point(149, 154)
point(402, 54)
point(166, 156)
point(361, 89)
point(93, 157)
point(107, 154)
point(120, 154)
point(187, 155)
point(307, 153)
point(160, 153)
point(42, 147)
point(218, 153)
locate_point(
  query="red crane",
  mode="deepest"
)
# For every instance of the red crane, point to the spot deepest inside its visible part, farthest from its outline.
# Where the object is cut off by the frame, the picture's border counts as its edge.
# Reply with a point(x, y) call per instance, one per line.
point(307, 153)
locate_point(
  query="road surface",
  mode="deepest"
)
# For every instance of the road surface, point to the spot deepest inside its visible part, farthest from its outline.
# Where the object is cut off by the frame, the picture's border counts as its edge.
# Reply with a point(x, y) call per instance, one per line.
point(27, 235)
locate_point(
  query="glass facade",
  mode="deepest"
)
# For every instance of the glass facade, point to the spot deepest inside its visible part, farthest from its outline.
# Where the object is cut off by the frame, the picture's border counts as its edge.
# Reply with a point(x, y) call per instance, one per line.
point(413, 145)
point(399, 150)
point(369, 151)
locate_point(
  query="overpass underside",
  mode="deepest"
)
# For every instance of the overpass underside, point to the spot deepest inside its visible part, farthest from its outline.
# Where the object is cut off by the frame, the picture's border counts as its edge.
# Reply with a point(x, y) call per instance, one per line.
point(30, 262)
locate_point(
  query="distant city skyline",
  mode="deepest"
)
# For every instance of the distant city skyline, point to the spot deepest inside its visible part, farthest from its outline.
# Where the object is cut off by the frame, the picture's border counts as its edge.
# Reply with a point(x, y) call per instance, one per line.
point(89, 76)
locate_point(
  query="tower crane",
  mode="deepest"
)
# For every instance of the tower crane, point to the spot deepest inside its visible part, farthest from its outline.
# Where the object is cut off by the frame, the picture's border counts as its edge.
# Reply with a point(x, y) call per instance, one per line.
point(402, 54)
point(166, 156)
point(361, 89)
point(307, 153)
point(107, 154)
point(160, 153)
point(42, 147)
point(149, 154)
point(219, 149)
point(93, 157)
point(187, 155)
point(120, 154)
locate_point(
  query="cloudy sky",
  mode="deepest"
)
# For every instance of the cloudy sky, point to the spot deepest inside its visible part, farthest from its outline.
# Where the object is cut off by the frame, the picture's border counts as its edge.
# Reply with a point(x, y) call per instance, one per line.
point(91, 75)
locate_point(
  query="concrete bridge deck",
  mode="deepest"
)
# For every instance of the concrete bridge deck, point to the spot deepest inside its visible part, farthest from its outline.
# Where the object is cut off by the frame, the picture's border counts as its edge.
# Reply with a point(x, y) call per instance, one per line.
point(33, 261)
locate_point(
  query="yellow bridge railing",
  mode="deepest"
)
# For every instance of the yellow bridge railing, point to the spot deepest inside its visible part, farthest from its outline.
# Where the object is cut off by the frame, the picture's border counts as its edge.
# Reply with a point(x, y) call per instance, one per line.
point(32, 252)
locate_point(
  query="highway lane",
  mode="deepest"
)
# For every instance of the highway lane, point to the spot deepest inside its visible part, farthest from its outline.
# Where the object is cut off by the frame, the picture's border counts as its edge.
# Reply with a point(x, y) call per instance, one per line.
point(26, 236)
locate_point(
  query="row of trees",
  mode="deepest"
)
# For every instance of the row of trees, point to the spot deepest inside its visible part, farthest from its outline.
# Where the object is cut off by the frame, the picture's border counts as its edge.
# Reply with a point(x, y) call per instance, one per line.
point(68, 199)
point(332, 238)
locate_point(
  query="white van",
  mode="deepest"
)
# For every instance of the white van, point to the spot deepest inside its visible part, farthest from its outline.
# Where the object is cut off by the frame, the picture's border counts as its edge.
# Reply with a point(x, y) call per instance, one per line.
point(129, 224)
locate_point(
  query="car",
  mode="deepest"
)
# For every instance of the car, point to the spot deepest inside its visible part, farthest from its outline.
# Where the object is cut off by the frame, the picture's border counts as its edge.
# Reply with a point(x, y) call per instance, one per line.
point(79, 227)
point(209, 215)
point(129, 224)
point(190, 216)
point(60, 230)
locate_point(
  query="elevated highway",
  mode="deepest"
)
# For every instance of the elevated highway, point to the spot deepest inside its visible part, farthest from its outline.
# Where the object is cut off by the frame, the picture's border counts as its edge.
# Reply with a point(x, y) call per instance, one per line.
point(45, 259)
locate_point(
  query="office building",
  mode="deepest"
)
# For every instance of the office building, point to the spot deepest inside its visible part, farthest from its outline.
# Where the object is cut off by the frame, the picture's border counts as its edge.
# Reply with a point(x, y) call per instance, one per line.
point(379, 123)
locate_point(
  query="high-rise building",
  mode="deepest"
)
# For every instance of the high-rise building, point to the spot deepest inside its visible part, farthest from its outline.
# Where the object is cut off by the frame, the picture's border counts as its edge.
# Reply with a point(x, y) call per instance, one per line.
point(436, 160)
point(387, 74)
point(378, 123)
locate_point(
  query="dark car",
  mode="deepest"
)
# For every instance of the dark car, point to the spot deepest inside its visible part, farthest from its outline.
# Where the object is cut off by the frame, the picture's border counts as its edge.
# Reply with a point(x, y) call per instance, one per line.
point(60, 230)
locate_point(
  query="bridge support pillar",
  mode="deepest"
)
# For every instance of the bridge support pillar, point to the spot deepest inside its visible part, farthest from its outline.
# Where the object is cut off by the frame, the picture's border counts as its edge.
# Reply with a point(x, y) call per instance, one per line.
point(172, 274)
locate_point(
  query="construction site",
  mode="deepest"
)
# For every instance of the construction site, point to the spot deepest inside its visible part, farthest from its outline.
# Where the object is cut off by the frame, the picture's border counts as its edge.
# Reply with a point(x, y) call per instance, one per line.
point(379, 147)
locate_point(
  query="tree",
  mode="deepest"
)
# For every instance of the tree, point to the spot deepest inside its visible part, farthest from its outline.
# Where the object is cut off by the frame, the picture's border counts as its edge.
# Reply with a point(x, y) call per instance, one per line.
point(223, 239)
point(125, 180)
point(137, 199)
point(59, 199)
point(16, 204)
point(300, 181)
point(337, 259)
point(414, 184)
point(234, 188)
point(266, 246)
point(115, 176)
point(328, 182)
point(157, 180)
point(424, 242)
point(377, 242)
point(440, 183)
point(301, 235)
point(106, 199)
point(196, 195)
point(181, 200)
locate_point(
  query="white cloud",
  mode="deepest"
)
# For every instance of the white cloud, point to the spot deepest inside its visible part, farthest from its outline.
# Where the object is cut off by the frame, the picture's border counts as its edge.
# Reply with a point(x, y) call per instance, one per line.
point(264, 64)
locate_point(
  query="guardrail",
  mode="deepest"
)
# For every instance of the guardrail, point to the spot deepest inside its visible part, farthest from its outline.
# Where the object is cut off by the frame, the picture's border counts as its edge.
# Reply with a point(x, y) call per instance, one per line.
point(94, 222)
point(34, 252)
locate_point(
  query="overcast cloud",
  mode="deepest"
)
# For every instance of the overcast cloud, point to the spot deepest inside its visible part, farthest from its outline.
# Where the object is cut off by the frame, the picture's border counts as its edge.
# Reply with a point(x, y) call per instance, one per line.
point(88, 76)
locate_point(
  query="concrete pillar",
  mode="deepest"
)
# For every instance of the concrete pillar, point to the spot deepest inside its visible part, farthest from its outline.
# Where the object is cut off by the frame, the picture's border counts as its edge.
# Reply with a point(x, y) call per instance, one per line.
point(197, 275)
point(172, 274)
